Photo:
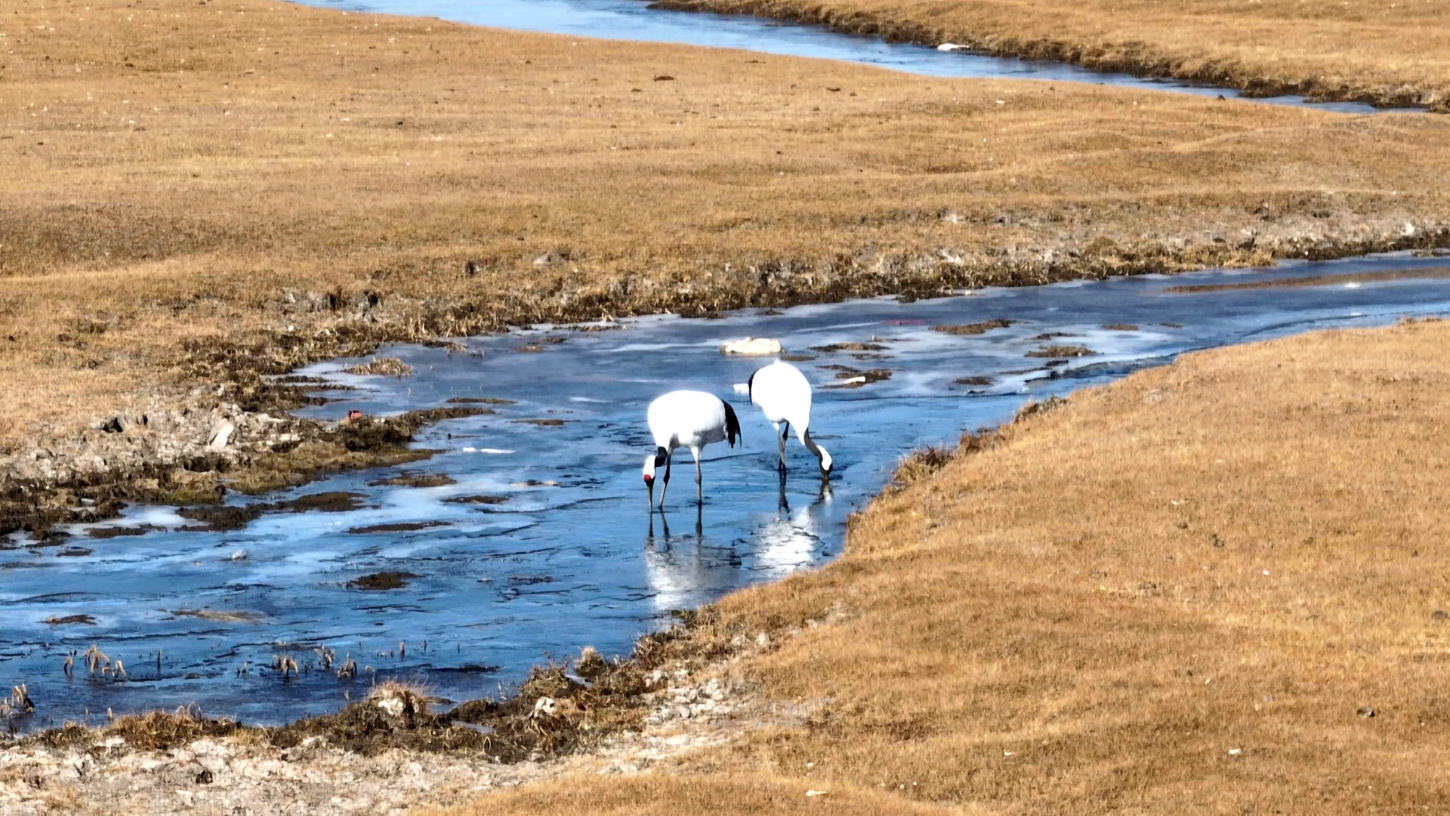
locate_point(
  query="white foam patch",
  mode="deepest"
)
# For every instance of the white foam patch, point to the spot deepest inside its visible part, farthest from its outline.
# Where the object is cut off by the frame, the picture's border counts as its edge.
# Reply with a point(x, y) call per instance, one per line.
point(136, 516)
point(909, 383)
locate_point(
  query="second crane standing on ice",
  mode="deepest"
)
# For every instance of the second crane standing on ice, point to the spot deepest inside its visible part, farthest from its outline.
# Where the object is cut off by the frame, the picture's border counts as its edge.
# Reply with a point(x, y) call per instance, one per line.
point(784, 396)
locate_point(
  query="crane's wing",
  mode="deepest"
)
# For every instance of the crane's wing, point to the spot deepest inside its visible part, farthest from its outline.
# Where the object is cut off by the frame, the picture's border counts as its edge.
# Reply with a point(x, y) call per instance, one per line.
point(732, 425)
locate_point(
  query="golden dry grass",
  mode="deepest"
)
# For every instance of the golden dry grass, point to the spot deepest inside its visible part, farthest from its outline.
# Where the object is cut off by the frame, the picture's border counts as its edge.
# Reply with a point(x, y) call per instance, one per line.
point(1388, 54)
point(657, 794)
point(1181, 593)
point(186, 180)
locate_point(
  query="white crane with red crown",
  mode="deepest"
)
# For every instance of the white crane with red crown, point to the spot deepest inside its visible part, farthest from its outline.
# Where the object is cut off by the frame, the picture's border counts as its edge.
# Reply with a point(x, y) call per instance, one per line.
point(686, 419)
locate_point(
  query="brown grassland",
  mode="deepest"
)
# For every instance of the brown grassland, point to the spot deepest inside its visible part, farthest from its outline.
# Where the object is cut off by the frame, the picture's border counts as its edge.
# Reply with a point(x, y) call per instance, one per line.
point(1213, 587)
point(1392, 54)
point(1218, 586)
point(196, 192)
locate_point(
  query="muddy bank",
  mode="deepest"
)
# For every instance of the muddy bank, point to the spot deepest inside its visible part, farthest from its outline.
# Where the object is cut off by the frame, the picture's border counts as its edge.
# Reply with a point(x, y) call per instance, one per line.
point(398, 749)
point(194, 457)
point(1135, 58)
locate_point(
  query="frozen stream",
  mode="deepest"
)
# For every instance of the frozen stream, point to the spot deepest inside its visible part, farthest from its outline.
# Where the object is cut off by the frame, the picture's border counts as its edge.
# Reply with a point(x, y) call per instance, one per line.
point(550, 548)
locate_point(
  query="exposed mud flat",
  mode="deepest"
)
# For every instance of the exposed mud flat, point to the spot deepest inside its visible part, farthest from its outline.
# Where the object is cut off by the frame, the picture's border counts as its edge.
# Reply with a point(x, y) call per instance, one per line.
point(164, 457)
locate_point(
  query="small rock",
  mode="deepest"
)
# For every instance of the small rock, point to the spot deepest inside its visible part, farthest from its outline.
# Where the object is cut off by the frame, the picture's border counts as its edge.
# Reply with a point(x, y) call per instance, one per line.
point(391, 705)
point(751, 346)
point(1439, 615)
point(762, 640)
point(1365, 712)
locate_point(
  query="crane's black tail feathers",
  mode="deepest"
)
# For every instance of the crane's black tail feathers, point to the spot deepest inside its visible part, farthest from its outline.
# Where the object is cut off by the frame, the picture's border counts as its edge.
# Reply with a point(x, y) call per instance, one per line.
point(732, 425)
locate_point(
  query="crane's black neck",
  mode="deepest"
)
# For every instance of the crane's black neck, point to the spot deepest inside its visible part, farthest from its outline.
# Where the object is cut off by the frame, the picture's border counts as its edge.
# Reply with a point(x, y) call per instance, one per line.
point(660, 456)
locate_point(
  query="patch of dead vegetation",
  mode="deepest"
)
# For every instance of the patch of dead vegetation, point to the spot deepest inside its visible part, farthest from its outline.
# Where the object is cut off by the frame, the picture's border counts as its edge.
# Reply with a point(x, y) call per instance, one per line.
point(381, 581)
point(1348, 51)
point(921, 464)
point(219, 615)
point(479, 401)
point(973, 328)
point(415, 480)
point(477, 499)
point(1062, 351)
point(396, 527)
point(381, 367)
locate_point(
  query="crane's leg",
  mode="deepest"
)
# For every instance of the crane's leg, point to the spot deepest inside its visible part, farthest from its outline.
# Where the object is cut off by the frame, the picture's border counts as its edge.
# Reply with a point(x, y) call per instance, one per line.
point(784, 434)
point(665, 488)
point(699, 491)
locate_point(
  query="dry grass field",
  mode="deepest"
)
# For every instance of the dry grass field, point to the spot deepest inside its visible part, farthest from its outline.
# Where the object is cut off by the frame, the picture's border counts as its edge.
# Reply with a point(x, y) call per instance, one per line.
point(194, 192)
point(1394, 54)
point(1214, 587)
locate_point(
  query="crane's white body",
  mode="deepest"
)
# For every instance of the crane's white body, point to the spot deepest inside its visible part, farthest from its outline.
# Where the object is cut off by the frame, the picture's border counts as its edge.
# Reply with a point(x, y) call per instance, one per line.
point(783, 394)
point(686, 419)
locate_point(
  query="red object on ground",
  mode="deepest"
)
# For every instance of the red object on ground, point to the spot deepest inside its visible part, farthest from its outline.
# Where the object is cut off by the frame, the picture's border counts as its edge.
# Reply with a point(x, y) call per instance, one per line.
point(354, 414)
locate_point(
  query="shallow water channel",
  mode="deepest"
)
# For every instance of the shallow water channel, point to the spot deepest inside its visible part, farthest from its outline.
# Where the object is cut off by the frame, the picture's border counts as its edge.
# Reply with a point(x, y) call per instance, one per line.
point(543, 544)
point(638, 20)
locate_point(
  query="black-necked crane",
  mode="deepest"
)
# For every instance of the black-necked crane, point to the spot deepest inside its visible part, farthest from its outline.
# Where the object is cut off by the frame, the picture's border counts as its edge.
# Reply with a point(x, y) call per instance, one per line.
point(784, 396)
point(686, 419)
